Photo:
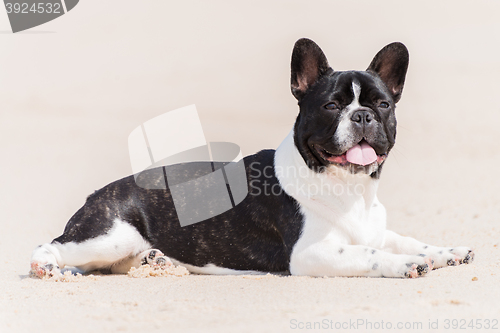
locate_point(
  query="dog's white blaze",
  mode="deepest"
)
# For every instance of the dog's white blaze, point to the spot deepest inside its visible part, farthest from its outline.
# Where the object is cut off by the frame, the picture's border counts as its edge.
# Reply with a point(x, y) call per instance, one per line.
point(344, 129)
point(121, 242)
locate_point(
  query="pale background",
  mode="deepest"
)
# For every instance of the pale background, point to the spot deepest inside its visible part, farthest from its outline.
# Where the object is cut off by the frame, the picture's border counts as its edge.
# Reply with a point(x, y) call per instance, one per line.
point(73, 89)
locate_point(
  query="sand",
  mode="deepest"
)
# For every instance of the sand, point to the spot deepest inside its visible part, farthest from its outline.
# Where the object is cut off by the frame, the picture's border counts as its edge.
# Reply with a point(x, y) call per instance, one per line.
point(73, 89)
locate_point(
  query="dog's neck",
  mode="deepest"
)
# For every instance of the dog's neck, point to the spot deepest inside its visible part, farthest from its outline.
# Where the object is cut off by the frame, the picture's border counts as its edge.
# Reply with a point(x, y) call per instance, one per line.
point(334, 190)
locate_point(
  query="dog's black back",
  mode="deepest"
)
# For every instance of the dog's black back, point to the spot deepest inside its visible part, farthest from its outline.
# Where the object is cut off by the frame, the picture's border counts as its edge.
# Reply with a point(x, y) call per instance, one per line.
point(266, 219)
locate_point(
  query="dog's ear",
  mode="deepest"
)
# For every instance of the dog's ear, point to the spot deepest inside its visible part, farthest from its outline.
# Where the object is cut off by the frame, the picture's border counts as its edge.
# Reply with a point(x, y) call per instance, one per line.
point(308, 65)
point(391, 64)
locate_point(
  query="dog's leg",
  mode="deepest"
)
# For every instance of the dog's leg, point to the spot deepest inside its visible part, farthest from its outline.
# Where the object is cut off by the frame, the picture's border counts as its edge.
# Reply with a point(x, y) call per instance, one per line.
point(332, 259)
point(44, 261)
point(119, 248)
point(442, 256)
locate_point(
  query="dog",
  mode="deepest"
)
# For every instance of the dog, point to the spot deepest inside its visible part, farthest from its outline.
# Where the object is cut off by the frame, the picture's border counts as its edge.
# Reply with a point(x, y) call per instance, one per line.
point(311, 209)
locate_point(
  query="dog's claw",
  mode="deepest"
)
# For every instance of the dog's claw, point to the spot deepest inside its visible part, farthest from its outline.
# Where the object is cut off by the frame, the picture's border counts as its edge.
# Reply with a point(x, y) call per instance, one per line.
point(161, 261)
point(468, 258)
point(422, 269)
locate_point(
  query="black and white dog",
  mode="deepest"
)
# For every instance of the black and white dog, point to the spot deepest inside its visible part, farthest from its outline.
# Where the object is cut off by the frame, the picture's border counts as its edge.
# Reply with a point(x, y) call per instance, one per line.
point(312, 207)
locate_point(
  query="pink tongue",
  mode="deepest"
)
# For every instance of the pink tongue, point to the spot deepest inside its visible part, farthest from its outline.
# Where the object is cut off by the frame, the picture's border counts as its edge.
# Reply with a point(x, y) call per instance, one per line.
point(362, 154)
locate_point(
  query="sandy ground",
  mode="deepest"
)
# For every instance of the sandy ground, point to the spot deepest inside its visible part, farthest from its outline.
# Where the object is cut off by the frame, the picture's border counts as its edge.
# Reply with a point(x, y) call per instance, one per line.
point(73, 89)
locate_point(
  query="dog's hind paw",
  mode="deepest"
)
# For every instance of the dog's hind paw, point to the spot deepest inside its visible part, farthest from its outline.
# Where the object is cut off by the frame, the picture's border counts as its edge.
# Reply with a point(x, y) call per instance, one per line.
point(155, 258)
point(39, 270)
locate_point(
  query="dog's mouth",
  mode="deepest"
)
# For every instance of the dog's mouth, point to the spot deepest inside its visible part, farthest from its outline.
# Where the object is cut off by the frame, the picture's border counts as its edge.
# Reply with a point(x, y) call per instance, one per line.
point(361, 154)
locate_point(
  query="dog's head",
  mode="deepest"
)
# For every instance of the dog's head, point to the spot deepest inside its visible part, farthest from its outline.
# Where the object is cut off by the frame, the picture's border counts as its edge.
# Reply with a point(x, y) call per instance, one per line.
point(346, 119)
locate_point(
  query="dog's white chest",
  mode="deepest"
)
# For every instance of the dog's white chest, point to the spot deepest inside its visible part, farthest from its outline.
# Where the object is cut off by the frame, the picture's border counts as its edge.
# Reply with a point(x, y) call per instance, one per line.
point(337, 206)
point(357, 226)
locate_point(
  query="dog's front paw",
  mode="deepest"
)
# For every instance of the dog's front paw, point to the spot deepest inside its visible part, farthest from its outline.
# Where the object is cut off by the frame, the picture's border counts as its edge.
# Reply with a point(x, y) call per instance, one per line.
point(418, 268)
point(453, 256)
point(46, 270)
point(408, 266)
point(155, 258)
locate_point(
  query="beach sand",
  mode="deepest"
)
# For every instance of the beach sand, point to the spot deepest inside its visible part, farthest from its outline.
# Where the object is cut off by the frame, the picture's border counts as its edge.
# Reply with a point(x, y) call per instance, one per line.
point(73, 89)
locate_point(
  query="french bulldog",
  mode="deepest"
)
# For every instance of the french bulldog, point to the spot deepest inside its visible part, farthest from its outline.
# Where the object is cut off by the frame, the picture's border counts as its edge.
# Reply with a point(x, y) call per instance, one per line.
point(311, 208)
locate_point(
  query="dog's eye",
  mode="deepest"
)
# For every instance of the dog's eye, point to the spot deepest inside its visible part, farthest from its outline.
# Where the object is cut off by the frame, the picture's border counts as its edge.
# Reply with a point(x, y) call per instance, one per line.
point(383, 105)
point(331, 106)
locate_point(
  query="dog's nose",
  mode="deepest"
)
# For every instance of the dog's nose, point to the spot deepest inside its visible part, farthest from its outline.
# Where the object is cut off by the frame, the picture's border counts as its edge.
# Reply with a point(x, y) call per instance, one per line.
point(362, 117)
